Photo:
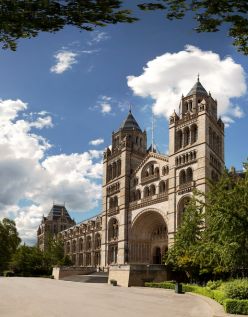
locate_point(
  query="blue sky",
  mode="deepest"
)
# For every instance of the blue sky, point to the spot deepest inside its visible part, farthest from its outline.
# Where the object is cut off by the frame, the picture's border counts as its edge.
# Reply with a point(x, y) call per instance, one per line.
point(52, 112)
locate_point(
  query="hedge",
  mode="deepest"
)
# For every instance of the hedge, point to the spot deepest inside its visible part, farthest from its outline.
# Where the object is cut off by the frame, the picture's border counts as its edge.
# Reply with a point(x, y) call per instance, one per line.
point(236, 289)
point(232, 306)
point(236, 306)
point(167, 285)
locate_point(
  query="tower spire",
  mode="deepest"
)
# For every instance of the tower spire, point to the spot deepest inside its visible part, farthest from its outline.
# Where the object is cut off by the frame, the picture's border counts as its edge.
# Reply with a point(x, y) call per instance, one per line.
point(152, 132)
point(198, 77)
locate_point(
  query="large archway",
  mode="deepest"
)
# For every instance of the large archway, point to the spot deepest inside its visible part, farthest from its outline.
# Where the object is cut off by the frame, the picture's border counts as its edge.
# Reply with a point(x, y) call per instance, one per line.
point(149, 238)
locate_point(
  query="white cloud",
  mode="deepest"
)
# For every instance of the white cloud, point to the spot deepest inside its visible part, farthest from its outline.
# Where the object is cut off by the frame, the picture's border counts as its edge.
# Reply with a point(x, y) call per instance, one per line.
point(64, 61)
point(170, 75)
point(28, 173)
point(90, 51)
point(98, 37)
point(96, 142)
point(105, 107)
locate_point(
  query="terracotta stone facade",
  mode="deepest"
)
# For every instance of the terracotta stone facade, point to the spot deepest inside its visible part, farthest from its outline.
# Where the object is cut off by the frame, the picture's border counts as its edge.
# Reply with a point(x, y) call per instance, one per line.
point(144, 193)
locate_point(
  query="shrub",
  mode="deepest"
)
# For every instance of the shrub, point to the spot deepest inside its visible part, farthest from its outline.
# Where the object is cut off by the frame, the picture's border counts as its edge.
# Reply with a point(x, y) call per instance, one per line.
point(219, 296)
point(167, 285)
point(214, 284)
point(8, 273)
point(237, 289)
point(235, 306)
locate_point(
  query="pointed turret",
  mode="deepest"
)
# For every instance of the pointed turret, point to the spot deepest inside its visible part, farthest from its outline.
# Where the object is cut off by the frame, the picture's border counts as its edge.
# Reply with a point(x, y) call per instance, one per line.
point(130, 123)
point(197, 89)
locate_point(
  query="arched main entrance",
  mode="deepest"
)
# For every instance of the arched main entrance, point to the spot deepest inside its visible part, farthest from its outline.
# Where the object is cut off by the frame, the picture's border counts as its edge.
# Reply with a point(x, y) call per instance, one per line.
point(149, 239)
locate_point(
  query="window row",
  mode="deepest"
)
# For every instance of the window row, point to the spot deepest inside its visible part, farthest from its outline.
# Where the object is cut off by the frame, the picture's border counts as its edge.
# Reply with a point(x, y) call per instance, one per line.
point(215, 141)
point(215, 162)
point(185, 158)
point(83, 244)
point(185, 176)
point(113, 188)
point(114, 170)
point(188, 135)
point(150, 191)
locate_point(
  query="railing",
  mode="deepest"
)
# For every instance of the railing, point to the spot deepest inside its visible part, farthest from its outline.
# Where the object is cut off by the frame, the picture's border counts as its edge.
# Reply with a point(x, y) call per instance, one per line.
point(185, 187)
point(148, 201)
point(113, 211)
point(149, 178)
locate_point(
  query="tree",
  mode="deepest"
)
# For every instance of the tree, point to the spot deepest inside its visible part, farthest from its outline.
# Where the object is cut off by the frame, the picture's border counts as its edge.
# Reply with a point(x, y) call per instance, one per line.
point(55, 254)
point(213, 237)
point(27, 18)
point(210, 16)
point(9, 241)
point(29, 261)
point(225, 240)
point(183, 255)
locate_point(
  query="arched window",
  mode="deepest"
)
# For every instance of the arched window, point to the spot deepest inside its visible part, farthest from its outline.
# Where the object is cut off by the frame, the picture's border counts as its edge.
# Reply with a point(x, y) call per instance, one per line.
point(210, 137)
point(194, 133)
point(113, 229)
point(118, 167)
point(132, 196)
point(115, 201)
point(190, 105)
point(152, 190)
point(88, 243)
point(97, 241)
point(161, 187)
point(181, 209)
point(68, 249)
point(138, 194)
point(182, 177)
point(114, 169)
point(151, 169)
point(111, 202)
point(74, 246)
point(81, 244)
point(179, 139)
point(157, 171)
point(146, 192)
point(186, 136)
point(189, 174)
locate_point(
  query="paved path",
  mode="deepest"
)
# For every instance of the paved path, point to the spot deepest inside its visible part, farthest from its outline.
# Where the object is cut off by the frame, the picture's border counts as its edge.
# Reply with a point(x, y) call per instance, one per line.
point(36, 297)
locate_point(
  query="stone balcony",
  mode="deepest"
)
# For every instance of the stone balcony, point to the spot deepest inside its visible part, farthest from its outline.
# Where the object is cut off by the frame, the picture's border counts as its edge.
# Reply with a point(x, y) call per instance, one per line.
point(185, 187)
point(149, 178)
point(146, 201)
point(113, 211)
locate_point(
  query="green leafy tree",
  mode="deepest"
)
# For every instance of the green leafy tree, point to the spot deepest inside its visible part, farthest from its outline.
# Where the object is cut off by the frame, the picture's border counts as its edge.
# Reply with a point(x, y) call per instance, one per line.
point(27, 18)
point(226, 236)
point(55, 254)
point(210, 16)
point(9, 241)
point(183, 255)
point(213, 237)
point(29, 261)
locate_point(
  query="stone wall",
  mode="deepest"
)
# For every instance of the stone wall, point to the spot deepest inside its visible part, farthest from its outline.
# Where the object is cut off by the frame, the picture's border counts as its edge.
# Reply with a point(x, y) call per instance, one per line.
point(138, 274)
point(63, 271)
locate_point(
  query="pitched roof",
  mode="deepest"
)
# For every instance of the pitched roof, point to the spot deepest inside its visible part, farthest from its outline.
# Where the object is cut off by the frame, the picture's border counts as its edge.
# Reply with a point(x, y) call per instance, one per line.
point(130, 123)
point(58, 211)
point(197, 89)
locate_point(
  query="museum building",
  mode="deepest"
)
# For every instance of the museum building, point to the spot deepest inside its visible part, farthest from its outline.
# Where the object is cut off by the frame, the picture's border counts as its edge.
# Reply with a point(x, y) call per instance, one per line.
point(144, 192)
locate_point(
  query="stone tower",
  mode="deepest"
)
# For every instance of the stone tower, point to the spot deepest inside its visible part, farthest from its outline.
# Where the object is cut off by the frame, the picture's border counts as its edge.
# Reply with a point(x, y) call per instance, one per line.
point(129, 146)
point(196, 150)
point(57, 220)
